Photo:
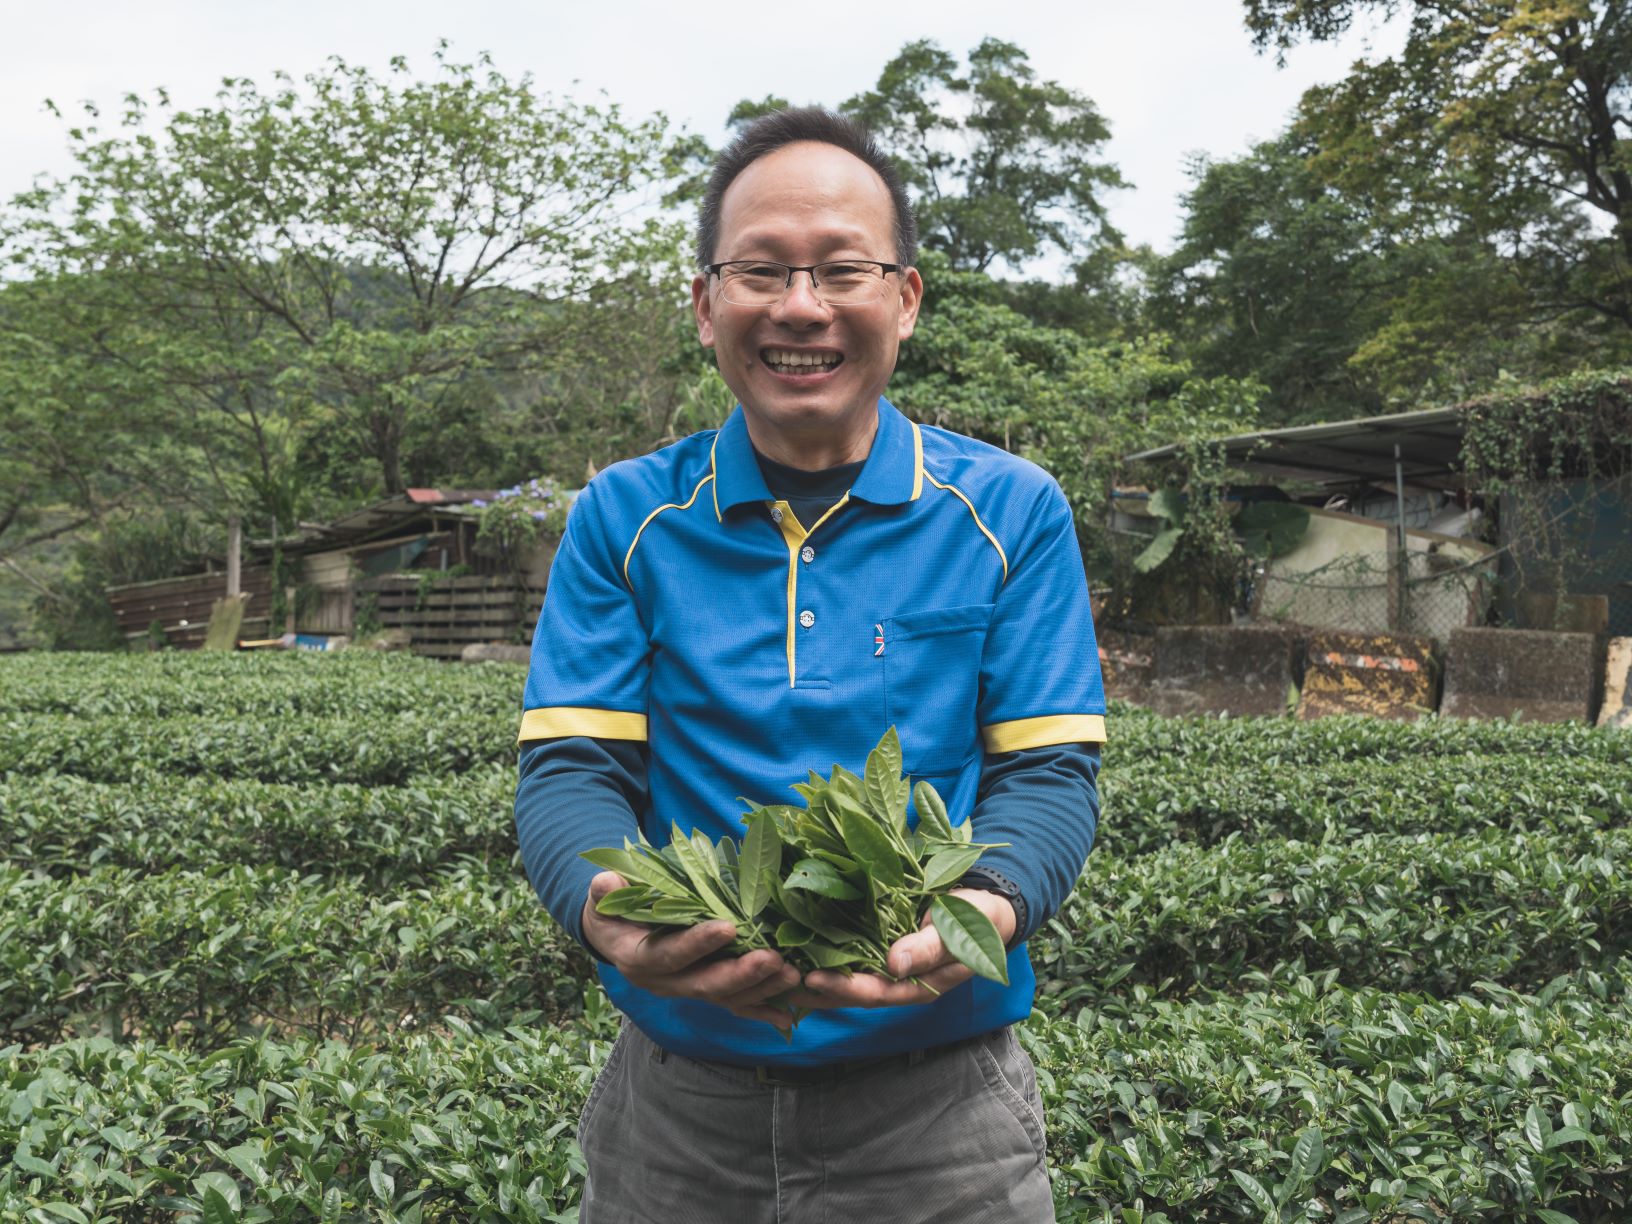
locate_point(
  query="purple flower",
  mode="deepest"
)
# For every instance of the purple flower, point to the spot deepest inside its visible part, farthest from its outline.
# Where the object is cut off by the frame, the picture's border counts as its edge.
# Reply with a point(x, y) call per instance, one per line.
point(478, 503)
point(540, 514)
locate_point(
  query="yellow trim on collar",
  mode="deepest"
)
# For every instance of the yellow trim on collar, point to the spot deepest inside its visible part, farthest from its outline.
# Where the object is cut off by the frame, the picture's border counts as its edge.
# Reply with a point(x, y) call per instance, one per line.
point(654, 514)
point(917, 461)
point(1040, 732)
point(553, 722)
point(958, 493)
point(712, 471)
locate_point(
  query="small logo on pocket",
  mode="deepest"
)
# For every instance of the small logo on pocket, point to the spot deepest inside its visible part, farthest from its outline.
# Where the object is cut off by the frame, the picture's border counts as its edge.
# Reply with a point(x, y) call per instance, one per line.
point(879, 630)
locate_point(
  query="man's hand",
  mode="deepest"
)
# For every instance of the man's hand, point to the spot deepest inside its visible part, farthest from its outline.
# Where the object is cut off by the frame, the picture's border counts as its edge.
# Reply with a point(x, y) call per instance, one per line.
point(919, 963)
point(680, 961)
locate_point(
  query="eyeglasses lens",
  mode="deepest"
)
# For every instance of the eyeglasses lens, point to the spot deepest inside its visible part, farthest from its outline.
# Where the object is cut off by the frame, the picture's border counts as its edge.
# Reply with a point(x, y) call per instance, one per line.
point(836, 284)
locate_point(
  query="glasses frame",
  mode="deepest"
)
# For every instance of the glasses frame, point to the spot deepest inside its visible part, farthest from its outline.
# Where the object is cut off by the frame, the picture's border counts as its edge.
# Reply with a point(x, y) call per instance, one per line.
point(884, 270)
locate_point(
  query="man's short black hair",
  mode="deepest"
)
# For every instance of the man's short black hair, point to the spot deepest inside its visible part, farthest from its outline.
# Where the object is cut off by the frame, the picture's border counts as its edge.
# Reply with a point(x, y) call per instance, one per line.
point(769, 133)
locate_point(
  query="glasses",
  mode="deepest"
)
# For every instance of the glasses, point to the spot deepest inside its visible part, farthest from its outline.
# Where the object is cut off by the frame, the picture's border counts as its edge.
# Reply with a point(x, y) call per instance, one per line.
point(841, 282)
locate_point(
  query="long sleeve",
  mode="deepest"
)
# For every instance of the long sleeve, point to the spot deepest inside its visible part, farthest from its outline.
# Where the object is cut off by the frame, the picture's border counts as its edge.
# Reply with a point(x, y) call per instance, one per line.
point(1045, 803)
point(575, 793)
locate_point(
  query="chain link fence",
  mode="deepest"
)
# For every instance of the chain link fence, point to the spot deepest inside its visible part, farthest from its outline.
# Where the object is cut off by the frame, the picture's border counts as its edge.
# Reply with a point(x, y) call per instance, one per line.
point(1562, 561)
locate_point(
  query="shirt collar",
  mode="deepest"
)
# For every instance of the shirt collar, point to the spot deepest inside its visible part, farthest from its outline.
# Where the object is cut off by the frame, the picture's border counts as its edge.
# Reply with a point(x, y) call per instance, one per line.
point(893, 473)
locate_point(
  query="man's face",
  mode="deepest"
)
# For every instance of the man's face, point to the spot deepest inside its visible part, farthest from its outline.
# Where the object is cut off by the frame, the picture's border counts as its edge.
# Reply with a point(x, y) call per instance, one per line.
point(804, 204)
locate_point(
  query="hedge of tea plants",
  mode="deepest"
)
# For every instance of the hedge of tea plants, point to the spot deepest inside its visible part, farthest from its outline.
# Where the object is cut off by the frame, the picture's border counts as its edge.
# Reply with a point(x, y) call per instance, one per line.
point(267, 953)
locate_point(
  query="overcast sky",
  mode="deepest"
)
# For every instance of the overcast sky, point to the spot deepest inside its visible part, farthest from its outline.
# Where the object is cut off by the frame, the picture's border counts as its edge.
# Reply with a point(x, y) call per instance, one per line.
point(1173, 77)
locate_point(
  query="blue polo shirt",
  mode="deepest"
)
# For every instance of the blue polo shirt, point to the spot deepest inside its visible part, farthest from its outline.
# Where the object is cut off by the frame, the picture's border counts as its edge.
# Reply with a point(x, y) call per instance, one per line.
point(943, 594)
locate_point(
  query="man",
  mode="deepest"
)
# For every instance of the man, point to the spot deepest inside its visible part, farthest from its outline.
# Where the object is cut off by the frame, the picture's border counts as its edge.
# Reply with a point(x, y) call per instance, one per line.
point(754, 602)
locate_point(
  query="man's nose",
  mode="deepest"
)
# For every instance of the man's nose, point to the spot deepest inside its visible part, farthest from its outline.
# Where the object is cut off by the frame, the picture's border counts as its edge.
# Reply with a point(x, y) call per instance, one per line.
point(799, 302)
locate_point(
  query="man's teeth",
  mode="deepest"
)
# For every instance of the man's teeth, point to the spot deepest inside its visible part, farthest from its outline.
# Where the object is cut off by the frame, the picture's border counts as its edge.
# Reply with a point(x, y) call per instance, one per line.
point(786, 360)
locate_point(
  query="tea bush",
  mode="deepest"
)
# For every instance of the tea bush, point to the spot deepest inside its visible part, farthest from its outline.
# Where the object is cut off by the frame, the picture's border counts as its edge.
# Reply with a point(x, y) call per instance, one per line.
point(266, 953)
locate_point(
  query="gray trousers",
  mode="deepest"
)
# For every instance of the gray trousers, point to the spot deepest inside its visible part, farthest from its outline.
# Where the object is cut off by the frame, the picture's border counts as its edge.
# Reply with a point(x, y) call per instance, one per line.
point(955, 1138)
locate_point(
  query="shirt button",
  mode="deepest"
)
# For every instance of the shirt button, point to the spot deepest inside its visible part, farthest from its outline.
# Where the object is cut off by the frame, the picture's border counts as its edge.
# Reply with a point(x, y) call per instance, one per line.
point(807, 618)
point(807, 554)
point(776, 514)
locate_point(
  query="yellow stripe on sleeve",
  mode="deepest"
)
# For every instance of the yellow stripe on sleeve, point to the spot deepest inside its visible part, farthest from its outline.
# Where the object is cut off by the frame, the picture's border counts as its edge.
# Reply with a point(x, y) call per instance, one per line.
point(1040, 732)
point(556, 721)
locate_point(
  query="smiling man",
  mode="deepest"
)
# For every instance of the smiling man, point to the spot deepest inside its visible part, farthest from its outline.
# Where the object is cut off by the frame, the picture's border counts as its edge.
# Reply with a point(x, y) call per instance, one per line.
point(767, 598)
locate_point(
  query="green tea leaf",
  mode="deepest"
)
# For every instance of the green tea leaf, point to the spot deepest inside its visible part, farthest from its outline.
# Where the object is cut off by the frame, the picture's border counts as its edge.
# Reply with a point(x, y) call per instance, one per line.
point(696, 855)
point(883, 785)
point(932, 817)
point(845, 864)
point(759, 863)
point(1308, 1155)
point(822, 878)
point(622, 901)
point(381, 1182)
point(679, 911)
point(827, 956)
point(609, 859)
point(1538, 1128)
point(870, 845)
point(791, 934)
point(948, 866)
point(1254, 1190)
point(970, 937)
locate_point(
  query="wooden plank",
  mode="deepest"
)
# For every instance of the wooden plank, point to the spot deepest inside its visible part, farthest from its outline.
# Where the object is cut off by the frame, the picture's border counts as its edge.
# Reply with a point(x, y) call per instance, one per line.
point(432, 620)
point(461, 633)
point(462, 599)
point(469, 582)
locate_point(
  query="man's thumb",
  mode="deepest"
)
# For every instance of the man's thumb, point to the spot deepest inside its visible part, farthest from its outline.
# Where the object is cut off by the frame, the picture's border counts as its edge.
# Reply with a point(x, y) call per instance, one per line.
point(605, 882)
point(914, 953)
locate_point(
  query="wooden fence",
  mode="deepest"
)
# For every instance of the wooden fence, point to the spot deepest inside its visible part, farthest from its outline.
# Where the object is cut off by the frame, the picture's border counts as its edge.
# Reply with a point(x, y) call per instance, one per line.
point(444, 616)
point(181, 606)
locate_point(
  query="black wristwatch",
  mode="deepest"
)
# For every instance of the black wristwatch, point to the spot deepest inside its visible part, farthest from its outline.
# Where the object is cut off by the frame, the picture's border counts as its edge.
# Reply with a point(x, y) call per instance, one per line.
point(988, 879)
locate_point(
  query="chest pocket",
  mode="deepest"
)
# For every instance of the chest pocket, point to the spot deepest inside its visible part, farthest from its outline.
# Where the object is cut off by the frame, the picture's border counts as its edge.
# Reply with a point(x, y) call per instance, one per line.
point(931, 664)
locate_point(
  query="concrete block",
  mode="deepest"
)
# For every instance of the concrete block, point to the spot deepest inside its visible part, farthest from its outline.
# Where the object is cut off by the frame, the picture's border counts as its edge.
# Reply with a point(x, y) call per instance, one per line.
point(1224, 669)
point(1541, 676)
point(1127, 663)
point(1617, 708)
point(1385, 675)
point(1570, 614)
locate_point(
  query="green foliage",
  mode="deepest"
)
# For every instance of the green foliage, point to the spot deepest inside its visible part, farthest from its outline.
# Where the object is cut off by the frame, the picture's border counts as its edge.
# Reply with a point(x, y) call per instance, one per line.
point(517, 518)
point(831, 885)
point(451, 1124)
point(1502, 121)
point(1341, 970)
point(977, 365)
point(388, 836)
point(341, 258)
point(1003, 166)
point(205, 956)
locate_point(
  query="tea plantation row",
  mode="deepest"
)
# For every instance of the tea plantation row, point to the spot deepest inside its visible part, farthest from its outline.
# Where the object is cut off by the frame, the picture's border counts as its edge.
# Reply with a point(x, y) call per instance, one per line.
point(1310, 1102)
point(388, 748)
point(203, 955)
point(59, 824)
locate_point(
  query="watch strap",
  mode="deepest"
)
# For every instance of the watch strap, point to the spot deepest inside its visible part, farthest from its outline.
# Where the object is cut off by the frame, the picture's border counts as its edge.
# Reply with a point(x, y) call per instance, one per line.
point(989, 879)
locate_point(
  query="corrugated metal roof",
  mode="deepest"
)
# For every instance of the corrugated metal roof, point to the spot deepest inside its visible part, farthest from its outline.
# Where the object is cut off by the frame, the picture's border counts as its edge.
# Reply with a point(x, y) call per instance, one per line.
point(1348, 452)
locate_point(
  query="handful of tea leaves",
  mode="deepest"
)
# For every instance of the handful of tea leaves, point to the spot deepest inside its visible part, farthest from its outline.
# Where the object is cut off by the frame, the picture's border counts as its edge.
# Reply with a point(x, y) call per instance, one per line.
point(830, 885)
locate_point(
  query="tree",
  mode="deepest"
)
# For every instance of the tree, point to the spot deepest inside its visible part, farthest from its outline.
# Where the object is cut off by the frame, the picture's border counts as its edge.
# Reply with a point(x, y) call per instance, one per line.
point(1506, 119)
point(1001, 165)
point(977, 365)
point(1004, 166)
point(341, 260)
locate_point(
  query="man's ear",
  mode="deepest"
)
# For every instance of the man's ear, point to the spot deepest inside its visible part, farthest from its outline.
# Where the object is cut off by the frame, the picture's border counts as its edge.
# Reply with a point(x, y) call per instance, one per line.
point(703, 309)
point(912, 296)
